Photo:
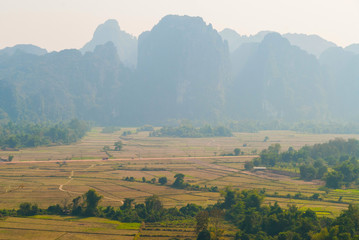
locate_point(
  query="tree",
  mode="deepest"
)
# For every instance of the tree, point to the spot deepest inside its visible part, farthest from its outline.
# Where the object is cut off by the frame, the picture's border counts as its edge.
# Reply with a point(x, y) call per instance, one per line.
point(76, 206)
point(118, 145)
point(190, 209)
point(27, 209)
point(248, 165)
point(9, 158)
point(91, 200)
point(154, 209)
point(162, 180)
point(307, 172)
point(179, 182)
point(127, 204)
point(237, 151)
point(215, 222)
point(334, 179)
point(229, 198)
point(204, 235)
point(202, 220)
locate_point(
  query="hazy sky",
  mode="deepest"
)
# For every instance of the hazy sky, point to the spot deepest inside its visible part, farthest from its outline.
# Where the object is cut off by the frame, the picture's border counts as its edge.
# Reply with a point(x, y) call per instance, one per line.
point(60, 24)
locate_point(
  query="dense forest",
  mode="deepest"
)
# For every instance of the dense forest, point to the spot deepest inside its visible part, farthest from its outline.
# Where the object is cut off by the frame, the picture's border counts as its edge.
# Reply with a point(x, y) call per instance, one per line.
point(335, 161)
point(25, 134)
point(244, 209)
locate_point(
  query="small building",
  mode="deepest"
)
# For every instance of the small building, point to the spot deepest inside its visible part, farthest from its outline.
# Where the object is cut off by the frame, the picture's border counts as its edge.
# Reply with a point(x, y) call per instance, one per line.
point(259, 168)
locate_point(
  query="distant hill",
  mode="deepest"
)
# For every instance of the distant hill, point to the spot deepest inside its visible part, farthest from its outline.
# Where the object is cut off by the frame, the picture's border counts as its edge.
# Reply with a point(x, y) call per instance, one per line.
point(235, 40)
point(24, 48)
point(354, 48)
point(310, 43)
point(125, 43)
point(274, 80)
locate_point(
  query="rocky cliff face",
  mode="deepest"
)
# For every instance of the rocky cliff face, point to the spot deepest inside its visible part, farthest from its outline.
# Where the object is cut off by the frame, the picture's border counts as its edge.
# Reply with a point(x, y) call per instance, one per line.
point(125, 43)
point(183, 65)
point(275, 80)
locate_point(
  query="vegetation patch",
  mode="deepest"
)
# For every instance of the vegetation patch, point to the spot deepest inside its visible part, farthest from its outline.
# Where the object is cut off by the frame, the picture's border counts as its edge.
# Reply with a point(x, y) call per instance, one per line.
point(185, 131)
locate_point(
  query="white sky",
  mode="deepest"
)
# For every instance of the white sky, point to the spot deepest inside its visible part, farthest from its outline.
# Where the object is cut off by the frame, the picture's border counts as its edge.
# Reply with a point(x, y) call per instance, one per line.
point(60, 24)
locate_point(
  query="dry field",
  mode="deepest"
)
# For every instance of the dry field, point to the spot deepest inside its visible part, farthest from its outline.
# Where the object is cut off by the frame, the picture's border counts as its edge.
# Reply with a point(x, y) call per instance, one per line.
point(36, 176)
point(141, 146)
point(55, 227)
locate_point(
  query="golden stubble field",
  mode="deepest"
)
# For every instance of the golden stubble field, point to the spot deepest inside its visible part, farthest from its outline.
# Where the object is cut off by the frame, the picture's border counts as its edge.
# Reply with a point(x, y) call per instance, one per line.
point(141, 146)
point(36, 175)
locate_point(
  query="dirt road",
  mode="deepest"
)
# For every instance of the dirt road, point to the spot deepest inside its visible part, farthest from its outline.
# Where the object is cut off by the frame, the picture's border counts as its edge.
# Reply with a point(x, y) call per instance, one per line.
point(131, 159)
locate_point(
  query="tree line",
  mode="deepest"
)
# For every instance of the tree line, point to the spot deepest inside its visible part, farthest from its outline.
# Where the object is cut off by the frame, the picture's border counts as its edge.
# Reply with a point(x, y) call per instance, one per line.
point(15, 135)
point(187, 131)
point(245, 209)
point(314, 127)
point(179, 183)
point(334, 161)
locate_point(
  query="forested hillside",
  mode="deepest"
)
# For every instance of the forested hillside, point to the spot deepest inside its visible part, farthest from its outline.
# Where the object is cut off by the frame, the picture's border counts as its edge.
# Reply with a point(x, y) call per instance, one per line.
point(185, 70)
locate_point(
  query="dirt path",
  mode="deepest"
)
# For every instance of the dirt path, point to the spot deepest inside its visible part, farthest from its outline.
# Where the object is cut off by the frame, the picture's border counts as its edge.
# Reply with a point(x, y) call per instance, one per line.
point(130, 159)
point(70, 179)
point(61, 187)
point(214, 166)
point(279, 177)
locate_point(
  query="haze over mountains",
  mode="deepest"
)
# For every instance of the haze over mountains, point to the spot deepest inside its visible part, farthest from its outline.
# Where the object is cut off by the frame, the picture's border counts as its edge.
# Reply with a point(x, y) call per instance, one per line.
point(182, 69)
point(125, 43)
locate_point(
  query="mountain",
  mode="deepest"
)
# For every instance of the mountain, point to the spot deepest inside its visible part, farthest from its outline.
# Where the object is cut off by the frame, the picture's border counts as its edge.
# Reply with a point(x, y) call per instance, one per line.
point(125, 43)
point(275, 80)
point(341, 70)
point(354, 48)
point(184, 70)
point(183, 64)
point(310, 43)
point(235, 40)
point(63, 85)
point(24, 48)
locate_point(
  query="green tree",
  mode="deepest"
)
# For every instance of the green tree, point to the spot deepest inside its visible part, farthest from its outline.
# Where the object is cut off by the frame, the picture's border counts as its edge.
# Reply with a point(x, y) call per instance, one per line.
point(202, 220)
point(307, 172)
point(334, 179)
point(229, 198)
point(162, 180)
point(248, 165)
point(237, 151)
point(127, 204)
point(118, 146)
point(27, 209)
point(154, 209)
point(215, 223)
point(204, 235)
point(91, 200)
point(179, 182)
